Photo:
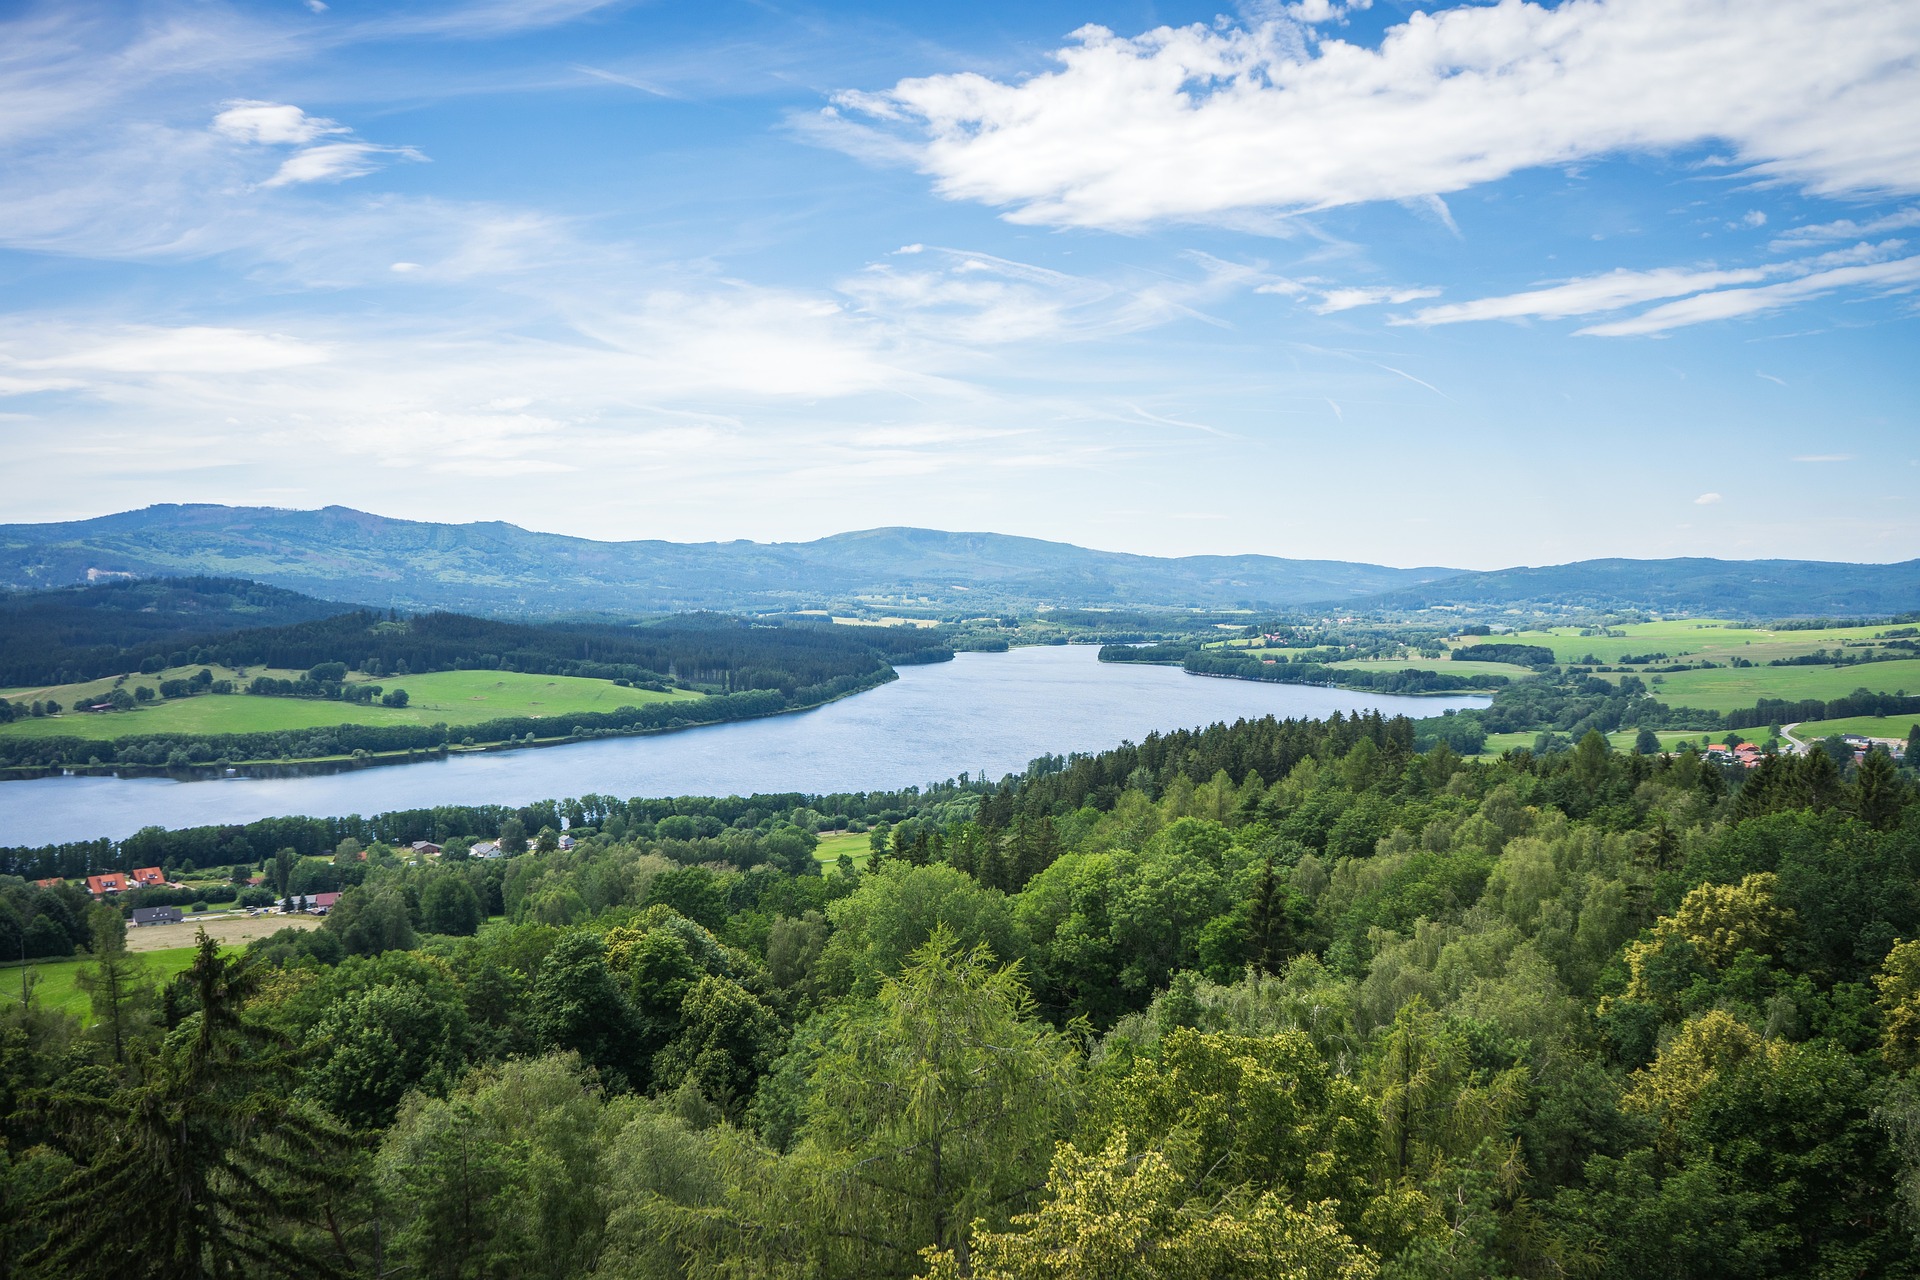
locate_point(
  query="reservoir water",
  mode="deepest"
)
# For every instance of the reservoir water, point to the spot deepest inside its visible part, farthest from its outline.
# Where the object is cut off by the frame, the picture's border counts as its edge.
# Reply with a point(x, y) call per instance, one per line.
point(991, 713)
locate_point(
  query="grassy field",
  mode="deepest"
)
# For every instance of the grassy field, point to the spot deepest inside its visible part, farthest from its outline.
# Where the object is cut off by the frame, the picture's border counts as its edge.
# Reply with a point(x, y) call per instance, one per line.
point(454, 697)
point(1729, 688)
point(1445, 666)
point(54, 979)
point(1866, 726)
point(854, 843)
point(1686, 637)
point(1670, 740)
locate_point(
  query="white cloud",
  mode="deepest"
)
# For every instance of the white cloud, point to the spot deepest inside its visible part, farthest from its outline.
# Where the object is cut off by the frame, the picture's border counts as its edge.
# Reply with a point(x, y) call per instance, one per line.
point(1608, 292)
point(271, 123)
point(335, 162)
point(196, 349)
point(1824, 457)
point(1725, 304)
point(1617, 290)
point(1347, 299)
point(1706, 500)
point(1201, 123)
point(1844, 229)
point(280, 124)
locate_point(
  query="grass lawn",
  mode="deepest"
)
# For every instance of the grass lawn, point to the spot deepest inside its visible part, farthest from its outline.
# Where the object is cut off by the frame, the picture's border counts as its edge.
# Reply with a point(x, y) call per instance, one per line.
point(1866, 726)
point(1728, 688)
point(54, 979)
point(854, 843)
point(454, 697)
point(1445, 666)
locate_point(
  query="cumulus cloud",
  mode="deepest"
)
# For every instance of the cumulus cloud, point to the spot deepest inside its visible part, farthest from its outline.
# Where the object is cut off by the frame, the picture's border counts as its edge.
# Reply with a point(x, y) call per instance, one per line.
point(1706, 500)
point(1205, 123)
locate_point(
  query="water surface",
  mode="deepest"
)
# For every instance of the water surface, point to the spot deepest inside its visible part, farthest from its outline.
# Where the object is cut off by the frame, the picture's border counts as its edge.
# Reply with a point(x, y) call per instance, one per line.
point(990, 713)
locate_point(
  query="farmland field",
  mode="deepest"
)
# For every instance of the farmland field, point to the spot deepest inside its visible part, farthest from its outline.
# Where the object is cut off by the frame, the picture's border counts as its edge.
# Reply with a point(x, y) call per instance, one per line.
point(453, 697)
point(1689, 637)
point(1729, 688)
point(1866, 726)
point(1445, 666)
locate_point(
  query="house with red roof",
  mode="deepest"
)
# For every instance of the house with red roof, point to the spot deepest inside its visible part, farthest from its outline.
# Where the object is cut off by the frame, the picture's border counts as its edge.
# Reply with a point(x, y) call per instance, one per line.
point(53, 883)
point(108, 882)
point(149, 877)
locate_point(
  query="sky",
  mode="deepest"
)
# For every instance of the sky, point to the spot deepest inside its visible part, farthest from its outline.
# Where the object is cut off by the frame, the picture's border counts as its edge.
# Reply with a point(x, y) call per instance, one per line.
point(1475, 286)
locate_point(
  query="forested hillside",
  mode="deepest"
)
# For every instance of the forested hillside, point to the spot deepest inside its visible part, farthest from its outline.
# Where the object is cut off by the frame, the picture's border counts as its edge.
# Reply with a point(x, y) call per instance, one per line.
point(79, 633)
point(1696, 585)
point(1276, 999)
point(499, 568)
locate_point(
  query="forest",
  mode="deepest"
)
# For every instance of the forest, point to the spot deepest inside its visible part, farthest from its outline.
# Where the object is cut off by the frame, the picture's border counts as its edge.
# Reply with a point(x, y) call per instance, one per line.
point(1280, 998)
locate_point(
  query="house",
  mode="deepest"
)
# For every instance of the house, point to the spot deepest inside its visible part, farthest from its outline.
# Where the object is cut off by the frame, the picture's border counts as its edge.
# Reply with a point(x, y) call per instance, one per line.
point(149, 877)
point(321, 903)
point(108, 882)
point(566, 841)
point(426, 848)
point(53, 883)
point(157, 915)
point(484, 849)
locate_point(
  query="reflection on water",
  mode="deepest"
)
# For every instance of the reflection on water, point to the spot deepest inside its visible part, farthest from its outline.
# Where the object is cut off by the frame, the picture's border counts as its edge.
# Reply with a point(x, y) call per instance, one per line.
point(990, 713)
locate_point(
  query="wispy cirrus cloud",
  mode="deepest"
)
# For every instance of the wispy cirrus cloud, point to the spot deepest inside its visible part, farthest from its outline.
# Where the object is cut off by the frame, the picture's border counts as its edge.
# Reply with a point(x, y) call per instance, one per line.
point(1701, 294)
point(1727, 304)
point(282, 124)
point(1202, 123)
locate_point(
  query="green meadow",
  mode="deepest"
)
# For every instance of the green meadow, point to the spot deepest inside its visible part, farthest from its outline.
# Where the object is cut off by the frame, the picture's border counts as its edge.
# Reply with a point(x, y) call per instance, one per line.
point(452, 697)
point(1866, 726)
point(54, 980)
point(1730, 688)
point(1694, 638)
point(853, 843)
point(1445, 666)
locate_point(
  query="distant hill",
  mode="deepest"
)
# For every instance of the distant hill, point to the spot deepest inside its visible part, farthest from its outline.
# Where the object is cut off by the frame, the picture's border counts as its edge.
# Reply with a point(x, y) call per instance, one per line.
point(78, 633)
point(1739, 588)
point(501, 568)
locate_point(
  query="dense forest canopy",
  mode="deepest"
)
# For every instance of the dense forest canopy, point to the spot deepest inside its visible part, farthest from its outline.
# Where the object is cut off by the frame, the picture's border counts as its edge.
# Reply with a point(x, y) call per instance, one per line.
point(81, 633)
point(1277, 998)
point(57, 637)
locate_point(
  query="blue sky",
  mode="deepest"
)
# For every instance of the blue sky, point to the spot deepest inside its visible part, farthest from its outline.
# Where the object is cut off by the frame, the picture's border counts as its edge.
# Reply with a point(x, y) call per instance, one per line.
point(1480, 286)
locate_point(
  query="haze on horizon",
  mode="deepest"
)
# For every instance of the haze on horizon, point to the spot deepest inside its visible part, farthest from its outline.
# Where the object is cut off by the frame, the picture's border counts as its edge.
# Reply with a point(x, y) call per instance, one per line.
point(1493, 285)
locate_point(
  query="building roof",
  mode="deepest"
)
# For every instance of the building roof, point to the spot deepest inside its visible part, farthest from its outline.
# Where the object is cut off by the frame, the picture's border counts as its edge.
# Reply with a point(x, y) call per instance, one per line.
point(109, 882)
point(149, 875)
point(152, 915)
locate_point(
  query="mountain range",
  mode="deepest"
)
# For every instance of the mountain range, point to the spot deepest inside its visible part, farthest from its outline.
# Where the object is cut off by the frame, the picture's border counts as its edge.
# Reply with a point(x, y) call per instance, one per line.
point(499, 568)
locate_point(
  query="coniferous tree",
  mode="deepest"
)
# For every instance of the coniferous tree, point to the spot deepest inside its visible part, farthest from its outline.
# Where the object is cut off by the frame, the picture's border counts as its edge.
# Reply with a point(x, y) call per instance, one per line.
point(206, 1169)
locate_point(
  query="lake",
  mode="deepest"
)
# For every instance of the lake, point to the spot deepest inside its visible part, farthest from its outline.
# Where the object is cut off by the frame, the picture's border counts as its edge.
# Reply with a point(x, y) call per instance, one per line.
point(980, 713)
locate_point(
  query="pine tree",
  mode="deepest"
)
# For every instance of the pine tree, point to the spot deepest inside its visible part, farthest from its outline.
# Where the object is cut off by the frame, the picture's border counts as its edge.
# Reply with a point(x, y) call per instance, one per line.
point(1878, 792)
point(205, 1169)
point(121, 999)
